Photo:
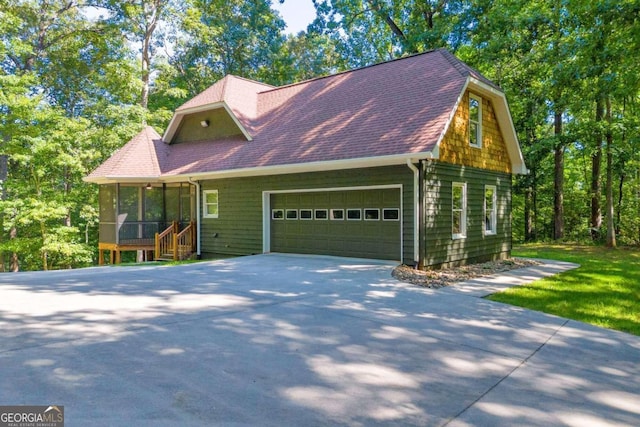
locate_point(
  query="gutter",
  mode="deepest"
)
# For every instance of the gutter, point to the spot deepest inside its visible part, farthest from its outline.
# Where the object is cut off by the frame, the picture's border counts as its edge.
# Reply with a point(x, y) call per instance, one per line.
point(197, 184)
point(416, 213)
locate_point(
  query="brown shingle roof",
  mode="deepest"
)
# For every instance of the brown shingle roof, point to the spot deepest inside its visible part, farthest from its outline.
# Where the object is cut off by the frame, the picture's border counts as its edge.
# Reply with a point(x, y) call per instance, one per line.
point(140, 157)
point(396, 108)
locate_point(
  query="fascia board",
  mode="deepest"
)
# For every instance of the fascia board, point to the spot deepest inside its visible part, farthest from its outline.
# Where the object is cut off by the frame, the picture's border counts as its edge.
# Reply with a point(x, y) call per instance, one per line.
point(359, 163)
point(303, 167)
point(111, 179)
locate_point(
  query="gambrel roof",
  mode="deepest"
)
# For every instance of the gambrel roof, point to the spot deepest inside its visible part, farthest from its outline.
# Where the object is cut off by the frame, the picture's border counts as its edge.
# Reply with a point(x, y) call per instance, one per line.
point(378, 115)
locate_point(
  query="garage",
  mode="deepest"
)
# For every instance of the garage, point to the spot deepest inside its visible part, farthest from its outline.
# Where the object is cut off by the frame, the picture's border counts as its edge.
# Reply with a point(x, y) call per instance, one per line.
point(362, 223)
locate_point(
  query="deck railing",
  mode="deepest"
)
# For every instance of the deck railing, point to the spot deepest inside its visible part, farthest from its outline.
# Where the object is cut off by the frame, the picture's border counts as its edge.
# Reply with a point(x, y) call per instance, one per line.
point(175, 244)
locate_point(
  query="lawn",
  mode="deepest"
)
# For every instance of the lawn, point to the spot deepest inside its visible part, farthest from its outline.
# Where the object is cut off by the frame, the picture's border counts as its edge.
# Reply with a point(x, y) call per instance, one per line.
point(604, 291)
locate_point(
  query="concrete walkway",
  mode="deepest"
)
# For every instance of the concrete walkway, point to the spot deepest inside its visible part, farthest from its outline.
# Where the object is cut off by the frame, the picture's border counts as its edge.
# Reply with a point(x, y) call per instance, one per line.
point(278, 340)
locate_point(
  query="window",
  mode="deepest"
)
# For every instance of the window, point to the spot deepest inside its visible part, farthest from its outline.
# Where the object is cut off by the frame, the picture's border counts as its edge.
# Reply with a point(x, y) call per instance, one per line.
point(321, 214)
point(459, 210)
point(277, 214)
point(371, 214)
point(337, 214)
point(306, 214)
point(292, 214)
point(391, 214)
point(210, 203)
point(475, 121)
point(490, 209)
point(354, 214)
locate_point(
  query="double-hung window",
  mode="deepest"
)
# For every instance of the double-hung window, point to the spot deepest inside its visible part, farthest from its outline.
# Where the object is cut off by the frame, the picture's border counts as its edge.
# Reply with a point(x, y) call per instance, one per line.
point(475, 121)
point(210, 203)
point(459, 210)
point(490, 209)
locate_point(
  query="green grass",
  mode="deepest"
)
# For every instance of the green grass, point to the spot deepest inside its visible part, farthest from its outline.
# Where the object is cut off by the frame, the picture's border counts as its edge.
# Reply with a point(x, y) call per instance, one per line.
point(604, 291)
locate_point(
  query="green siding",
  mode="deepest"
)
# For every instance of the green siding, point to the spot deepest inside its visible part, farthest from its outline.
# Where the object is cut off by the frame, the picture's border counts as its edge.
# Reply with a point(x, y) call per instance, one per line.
point(220, 125)
point(238, 229)
point(438, 246)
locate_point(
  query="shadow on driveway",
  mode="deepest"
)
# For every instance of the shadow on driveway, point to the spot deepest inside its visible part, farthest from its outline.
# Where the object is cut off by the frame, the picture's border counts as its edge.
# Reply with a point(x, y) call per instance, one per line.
point(296, 340)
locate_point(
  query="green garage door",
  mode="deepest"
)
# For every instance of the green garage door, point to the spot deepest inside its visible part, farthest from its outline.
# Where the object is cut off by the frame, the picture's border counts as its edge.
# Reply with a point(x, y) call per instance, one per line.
point(351, 223)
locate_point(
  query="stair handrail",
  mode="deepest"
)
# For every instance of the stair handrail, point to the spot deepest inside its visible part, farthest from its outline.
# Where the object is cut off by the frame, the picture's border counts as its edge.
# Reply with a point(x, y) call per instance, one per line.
point(164, 240)
point(184, 242)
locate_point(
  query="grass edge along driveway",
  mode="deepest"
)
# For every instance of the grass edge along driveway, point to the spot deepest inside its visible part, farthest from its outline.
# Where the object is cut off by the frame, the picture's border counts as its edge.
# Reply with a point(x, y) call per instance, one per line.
point(603, 291)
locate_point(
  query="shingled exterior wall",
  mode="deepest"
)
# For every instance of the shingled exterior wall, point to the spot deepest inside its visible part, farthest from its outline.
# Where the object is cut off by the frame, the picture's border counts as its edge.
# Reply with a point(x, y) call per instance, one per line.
point(455, 148)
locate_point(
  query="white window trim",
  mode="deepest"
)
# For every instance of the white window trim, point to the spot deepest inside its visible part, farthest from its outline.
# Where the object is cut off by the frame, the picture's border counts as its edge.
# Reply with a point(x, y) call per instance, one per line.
point(326, 214)
point(463, 216)
point(385, 210)
point(494, 213)
point(205, 205)
point(478, 143)
point(332, 215)
point(366, 210)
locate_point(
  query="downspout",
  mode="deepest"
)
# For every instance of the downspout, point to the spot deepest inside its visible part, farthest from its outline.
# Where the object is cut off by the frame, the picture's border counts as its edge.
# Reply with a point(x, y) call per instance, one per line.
point(197, 184)
point(416, 213)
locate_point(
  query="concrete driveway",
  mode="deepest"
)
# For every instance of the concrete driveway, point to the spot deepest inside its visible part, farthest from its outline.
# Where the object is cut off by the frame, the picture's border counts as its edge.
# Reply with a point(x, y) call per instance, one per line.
point(277, 340)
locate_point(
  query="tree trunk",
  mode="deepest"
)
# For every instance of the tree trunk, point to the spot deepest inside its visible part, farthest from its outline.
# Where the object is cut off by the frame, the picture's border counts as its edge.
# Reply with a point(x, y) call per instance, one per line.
point(611, 231)
point(558, 180)
point(528, 218)
point(151, 22)
point(14, 265)
point(596, 187)
point(530, 208)
point(620, 198)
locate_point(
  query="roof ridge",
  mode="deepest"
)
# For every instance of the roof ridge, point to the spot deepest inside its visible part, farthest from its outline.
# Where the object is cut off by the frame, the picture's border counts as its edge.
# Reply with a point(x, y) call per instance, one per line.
point(250, 80)
point(352, 70)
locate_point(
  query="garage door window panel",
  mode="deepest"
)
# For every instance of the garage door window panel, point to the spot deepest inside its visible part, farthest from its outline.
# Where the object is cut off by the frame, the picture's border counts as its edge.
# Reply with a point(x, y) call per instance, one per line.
point(292, 214)
point(321, 214)
point(371, 214)
point(354, 214)
point(391, 214)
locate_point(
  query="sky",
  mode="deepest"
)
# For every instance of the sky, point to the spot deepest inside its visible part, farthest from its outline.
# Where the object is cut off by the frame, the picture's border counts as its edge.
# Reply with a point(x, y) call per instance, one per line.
point(296, 13)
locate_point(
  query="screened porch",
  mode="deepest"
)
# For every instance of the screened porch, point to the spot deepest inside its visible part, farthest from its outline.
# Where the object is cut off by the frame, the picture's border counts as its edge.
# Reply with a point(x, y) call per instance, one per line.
point(133, 215)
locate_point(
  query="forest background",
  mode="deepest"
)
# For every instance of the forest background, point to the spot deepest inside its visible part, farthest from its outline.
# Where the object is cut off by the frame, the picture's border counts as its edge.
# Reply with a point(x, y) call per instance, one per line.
point(79, 78)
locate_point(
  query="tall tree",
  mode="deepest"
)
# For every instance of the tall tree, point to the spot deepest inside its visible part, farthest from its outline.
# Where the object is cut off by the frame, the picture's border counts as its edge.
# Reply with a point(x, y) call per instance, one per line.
point(149, 24)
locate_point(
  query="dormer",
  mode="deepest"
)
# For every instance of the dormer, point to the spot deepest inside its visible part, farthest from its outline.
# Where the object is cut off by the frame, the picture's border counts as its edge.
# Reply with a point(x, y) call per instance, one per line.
point(227, 109)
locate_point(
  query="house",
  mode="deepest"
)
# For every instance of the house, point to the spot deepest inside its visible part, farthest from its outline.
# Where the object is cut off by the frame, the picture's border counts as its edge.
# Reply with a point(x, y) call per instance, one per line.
point(408, 160)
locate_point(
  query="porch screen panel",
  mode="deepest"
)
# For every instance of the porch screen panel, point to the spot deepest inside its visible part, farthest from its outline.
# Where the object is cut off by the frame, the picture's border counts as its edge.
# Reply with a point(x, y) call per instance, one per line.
point(187, 200)
point(129, 210)
point(129, 204)
point(153, 204)
point(107, 200)
point(172, 202)
point(107, 196)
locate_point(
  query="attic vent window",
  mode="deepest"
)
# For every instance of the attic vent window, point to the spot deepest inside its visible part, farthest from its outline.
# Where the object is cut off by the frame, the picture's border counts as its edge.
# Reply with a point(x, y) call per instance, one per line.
point(204, 123)
point(475, 121)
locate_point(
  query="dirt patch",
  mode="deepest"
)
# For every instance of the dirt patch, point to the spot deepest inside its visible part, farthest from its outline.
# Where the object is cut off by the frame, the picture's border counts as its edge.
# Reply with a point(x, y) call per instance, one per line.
point(449, 276)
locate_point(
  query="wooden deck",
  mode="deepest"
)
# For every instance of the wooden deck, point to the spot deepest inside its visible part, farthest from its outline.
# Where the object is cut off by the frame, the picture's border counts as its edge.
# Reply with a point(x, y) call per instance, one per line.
point(115, 250)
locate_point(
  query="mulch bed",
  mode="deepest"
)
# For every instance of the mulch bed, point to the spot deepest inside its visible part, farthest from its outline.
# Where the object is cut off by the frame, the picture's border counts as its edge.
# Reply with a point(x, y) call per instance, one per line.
point(445, 277)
